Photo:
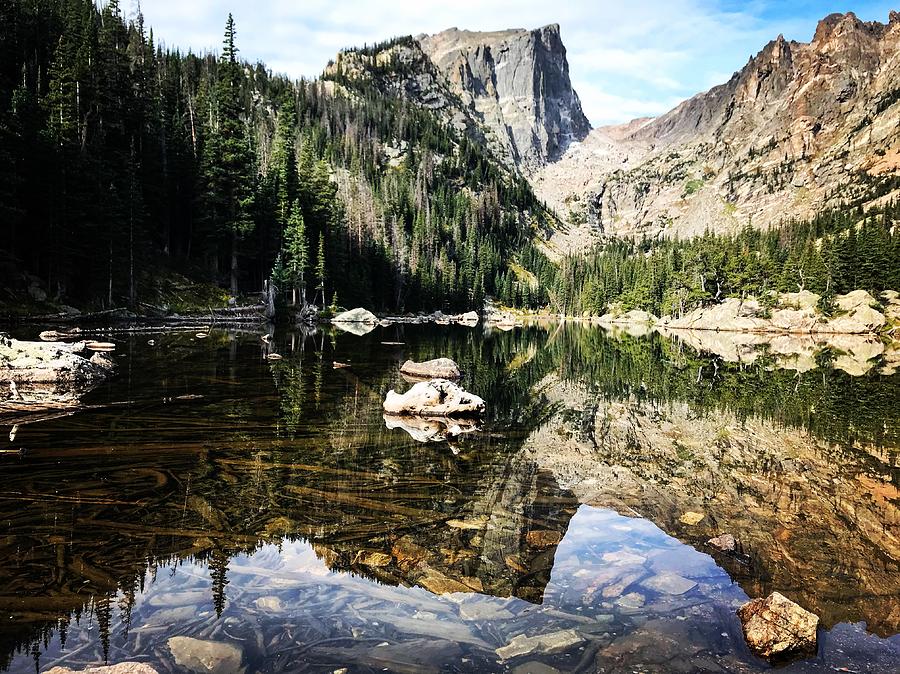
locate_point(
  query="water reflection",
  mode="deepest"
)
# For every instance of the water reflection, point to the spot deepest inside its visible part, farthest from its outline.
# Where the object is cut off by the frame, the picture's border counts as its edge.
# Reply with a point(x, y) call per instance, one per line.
point(270, 500)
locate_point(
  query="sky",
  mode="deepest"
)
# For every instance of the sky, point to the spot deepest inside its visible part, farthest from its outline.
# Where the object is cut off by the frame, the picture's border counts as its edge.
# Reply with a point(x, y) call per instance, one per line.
point(626, 59)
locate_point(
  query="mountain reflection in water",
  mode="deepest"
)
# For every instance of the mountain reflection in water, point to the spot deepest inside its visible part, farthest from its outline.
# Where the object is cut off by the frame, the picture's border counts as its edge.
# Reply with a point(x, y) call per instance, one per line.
point(278, 512)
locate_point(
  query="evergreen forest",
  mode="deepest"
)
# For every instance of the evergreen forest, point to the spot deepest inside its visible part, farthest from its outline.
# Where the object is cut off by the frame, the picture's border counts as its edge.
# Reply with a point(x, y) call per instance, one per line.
point(127, 168)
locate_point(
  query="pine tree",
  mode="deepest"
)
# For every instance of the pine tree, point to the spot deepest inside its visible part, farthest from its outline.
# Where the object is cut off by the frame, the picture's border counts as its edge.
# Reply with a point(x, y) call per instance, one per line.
point(236, 177)
point(320, 269)
point(296, 253)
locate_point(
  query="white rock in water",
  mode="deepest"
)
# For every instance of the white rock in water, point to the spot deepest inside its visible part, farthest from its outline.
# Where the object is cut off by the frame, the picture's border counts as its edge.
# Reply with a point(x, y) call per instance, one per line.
point(438, 368)
point(776, 626)
point(435, 398)
point(358, 315)
point(199, 656)
point(468, 318)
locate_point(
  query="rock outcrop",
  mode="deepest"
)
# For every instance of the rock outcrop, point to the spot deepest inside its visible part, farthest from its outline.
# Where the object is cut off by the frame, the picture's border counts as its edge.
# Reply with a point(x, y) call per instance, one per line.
point(800, 127)
point(517, 84)
point(793, 313)
point(776, 627)
point(507, 89)
point(435, 398)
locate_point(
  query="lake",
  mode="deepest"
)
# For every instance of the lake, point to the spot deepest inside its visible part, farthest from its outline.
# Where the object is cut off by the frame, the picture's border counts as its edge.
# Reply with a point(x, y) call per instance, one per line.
point(267, 508)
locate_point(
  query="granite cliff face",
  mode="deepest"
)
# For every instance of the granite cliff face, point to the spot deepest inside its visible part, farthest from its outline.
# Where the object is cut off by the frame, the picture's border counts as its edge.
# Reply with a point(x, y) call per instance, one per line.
point(508, 89)
point(800, 127)
point(517, 84)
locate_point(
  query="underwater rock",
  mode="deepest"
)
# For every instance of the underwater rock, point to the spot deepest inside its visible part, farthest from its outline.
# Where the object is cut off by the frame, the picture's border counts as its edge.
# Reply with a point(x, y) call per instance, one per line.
point(670, 583)
point(200, 656)
point(438, 368)
point(119, 668)
point(435, 398)
point(554, 642)
point(777, 627)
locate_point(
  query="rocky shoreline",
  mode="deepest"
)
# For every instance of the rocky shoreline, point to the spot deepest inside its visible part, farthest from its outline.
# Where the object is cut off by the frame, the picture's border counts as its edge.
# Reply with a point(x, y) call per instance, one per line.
point(856, 313)
point(49, 376)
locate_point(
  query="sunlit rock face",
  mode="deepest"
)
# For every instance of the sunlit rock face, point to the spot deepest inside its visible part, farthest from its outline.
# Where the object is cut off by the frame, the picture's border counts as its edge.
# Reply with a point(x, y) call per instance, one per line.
point(799, 508)
point(800, 127)
point(517, 82)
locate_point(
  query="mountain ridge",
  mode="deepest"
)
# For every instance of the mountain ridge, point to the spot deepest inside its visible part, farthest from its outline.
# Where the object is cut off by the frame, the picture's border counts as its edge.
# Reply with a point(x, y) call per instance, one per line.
point(801, 127)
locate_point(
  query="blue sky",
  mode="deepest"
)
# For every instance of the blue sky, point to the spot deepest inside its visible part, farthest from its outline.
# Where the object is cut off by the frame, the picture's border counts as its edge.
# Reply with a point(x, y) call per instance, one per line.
point(626, 60)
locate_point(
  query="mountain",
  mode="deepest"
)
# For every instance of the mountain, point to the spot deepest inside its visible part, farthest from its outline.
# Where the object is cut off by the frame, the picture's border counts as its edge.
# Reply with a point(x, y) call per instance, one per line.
point(800, 128)
point(414, 173)
point(517, 84)
point(509, 90)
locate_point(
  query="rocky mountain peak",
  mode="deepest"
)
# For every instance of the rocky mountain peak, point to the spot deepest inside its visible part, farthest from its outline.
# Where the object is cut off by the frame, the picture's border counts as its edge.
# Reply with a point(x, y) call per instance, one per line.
point(802, 127)
point(517, 84)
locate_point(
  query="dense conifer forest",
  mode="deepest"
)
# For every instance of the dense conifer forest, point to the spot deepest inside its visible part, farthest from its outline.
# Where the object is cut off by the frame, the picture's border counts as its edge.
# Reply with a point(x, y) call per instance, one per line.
point(126, 167)
point(836, 252)
point(122, 160)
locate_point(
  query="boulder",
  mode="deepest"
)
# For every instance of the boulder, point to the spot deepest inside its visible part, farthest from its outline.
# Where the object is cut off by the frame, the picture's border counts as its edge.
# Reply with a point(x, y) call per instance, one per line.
point(435, 398)
point(201, 656)
point(119, 668)
point(776, 627)
point(438, 368)
point(357, 315)
point(859, 315)
point(469, 318)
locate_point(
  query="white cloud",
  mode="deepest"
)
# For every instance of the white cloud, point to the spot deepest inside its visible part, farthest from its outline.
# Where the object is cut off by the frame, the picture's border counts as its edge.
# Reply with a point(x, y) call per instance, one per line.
point(626, 59)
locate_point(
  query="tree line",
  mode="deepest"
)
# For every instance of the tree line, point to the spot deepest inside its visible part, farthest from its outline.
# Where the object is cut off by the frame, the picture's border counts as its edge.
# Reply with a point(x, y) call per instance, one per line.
point(121, 161)
point(835, 252)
